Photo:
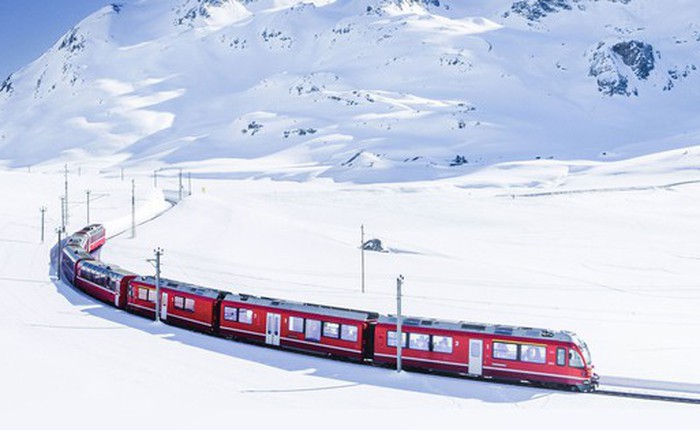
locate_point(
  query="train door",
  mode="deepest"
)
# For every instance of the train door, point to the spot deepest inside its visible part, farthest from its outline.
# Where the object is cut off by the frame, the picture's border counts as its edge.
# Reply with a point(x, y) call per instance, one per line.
point(164, 307)
point(272, 333)
point(476, 356)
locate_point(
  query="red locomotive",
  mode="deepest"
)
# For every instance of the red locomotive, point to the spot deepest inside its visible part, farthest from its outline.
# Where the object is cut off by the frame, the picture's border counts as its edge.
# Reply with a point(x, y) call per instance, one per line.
point(537, 356)
point(89, 238)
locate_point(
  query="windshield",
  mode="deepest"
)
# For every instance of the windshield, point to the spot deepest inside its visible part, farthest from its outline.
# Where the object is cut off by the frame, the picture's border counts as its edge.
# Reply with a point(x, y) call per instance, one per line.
point(584, 349)
point(585, 352)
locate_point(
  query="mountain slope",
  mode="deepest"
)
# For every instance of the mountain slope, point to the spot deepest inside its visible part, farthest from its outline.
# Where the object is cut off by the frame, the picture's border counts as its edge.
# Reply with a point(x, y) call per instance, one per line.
point(360, 89)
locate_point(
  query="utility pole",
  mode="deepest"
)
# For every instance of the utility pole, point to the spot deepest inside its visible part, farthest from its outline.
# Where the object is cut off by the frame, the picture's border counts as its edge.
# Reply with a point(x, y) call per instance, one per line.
point(65, 173)
point(362, 252)
point(158, 252)
point(399, 332)
point(63, 213)
point(155, 179)
point(180, 186)
point(87, 202)
point(59, 251)
point(122, 173)
point(189, 183)
point(43, 213)
point(133, 209)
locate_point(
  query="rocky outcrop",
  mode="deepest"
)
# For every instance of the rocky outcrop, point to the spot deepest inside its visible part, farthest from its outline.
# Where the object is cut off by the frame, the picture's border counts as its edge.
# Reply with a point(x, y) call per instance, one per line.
point(616, 67)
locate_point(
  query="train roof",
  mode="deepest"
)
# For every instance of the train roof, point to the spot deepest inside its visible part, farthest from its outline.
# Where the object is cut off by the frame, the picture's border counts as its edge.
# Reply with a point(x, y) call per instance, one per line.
point(182, 286)
point(99, 265)
point(76, 253)
point(492, 329)
point(311, 308)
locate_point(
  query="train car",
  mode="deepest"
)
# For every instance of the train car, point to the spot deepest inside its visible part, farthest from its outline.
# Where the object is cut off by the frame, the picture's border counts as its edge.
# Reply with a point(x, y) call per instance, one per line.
point(97, 236)
point(181, 304)
point(190, 306)
point(70, 257)
point(141, 296)
point(107, 283)
point(77, 239)
point(91, 237)
point(548, 358)
point(325, 330)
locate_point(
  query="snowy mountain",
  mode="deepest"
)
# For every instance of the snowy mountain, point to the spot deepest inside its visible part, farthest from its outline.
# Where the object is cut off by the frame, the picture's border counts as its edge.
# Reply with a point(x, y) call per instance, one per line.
point(360, 90)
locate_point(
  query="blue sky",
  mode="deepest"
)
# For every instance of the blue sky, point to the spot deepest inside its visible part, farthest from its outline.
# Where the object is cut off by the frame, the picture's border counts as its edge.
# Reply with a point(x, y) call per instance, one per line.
point(30, 27)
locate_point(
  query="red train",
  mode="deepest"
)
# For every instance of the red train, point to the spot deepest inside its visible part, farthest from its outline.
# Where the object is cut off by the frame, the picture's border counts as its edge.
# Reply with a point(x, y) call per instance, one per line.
point(557, 359)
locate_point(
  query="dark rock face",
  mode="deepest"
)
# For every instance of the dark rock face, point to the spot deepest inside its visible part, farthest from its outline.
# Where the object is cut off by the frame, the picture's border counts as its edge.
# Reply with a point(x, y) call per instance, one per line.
point(537, 9)
point(639, 56)
point(72, 42)
point(534, 10)
point(608, 66)
point(6, 86)
point(200, 10)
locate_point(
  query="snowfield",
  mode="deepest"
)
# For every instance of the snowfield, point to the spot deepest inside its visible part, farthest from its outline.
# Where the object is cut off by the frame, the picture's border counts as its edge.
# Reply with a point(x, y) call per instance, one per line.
point(604, 250)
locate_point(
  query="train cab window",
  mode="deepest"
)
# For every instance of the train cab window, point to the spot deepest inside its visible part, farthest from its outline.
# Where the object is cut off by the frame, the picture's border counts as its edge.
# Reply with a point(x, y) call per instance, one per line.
point(418, 341)
point(348, 332)
point(533, 354)
point(331, 330)
point(245, 316)
point(313, 330)
point(442, 344)
point(505, 351)
point(561, 356)
point(189, 305)
point(230, 314)
point(575, 359)
point(391, 339)
point(296, 324)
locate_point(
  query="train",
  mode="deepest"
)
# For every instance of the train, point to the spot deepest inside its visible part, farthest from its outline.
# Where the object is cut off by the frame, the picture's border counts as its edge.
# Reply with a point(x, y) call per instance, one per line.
point(540, 357)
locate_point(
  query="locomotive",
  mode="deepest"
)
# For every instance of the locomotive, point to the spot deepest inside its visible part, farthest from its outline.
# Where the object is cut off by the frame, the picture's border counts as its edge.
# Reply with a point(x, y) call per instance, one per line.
point(548, 358)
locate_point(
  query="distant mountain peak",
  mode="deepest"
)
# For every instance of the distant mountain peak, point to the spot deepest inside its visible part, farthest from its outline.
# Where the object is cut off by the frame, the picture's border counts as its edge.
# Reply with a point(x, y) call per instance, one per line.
point(422, 89)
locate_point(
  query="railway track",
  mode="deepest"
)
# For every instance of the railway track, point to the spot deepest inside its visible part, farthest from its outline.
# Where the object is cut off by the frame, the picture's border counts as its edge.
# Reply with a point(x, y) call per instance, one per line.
point(648, 396)
point(664, 391)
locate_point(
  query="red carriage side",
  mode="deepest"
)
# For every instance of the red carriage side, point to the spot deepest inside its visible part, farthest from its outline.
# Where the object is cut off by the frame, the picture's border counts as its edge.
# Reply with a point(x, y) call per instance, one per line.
point(305, 327)
point(106, 283)
point(190, 306)
point(512, 353)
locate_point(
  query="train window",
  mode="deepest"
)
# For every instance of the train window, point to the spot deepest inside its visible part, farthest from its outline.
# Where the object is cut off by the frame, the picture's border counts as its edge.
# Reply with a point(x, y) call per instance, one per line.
point(331, 330)
point(313, 330)
point(348, 332)
point(575, 359)
point(189, 305)
point(296, 324)
point(419, 341)
point(442, 344)
point(152, 295)
point(230, 314)
point(179, 302)
point(143, 293)
point(245, 316)
point(391, 338)
point(533, 354)
point(505, 351)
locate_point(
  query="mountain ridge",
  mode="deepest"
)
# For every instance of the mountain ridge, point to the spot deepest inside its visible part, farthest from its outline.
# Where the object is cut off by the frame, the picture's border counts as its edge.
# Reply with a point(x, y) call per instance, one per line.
point(434, 85)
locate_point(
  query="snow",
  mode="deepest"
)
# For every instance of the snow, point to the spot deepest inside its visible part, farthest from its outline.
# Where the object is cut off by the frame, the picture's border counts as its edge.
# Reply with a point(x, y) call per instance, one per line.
point(571, 210)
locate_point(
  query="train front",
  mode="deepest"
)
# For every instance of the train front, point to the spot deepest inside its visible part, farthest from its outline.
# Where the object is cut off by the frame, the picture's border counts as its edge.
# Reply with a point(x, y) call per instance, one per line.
point(592, 378)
